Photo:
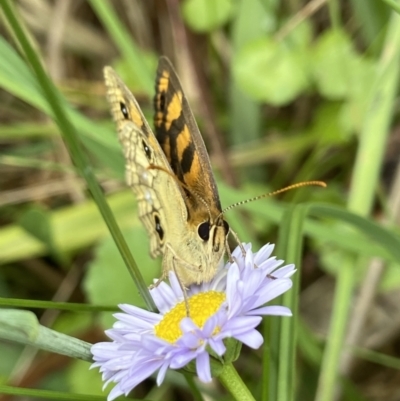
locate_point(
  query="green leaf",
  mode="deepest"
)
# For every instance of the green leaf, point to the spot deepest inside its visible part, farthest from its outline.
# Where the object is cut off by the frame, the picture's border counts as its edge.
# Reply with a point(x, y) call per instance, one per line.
point(83, 380)
point(332, 64)
point(363, 76)
point(207, 15)
point(271, 71)
point(326, 124)
point(37, 222)
point(108, 280)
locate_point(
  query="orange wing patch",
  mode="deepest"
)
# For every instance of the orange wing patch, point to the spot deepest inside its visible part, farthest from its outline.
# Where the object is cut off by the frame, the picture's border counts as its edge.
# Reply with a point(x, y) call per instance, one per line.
point(163, 81)
point(183, 140)
point(192, 176)
point(174, 110)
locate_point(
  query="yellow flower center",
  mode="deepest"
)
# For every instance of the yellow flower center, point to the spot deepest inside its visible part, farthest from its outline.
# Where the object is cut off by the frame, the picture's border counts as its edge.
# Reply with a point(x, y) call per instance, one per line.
point(201, 307)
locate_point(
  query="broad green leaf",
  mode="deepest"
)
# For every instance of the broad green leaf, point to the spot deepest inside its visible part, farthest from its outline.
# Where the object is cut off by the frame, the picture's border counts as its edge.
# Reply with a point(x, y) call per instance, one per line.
point(326, 124)
point(253, 21)
point(108, 281)
point(37, 222)
point(271, 71)
point(300, 38)
point(74, 227)
point(83, 380)
point(9, 354)
point(363, 75)
point(332, 63)
point(207, 15)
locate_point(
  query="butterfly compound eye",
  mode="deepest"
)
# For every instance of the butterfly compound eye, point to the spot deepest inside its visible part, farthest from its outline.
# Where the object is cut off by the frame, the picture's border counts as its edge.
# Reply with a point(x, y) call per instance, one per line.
point(124, 110)
point(204, 231)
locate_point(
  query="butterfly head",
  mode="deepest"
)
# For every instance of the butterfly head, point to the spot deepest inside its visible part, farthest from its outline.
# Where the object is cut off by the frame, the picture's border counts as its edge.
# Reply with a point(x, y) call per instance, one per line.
point(213, 234)
point(211, 227)
point(208, 244)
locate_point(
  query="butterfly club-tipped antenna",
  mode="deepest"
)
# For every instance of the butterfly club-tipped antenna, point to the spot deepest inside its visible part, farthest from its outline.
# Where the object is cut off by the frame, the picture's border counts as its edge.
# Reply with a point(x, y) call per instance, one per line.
point(273, 193)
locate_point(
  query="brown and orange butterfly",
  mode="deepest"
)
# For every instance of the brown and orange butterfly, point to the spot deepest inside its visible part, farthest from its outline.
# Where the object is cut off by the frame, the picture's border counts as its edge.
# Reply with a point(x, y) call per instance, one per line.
point(171, 176)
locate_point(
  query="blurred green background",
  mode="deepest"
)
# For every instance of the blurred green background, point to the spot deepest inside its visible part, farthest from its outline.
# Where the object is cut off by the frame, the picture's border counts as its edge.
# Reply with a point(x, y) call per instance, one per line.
point(283, 91)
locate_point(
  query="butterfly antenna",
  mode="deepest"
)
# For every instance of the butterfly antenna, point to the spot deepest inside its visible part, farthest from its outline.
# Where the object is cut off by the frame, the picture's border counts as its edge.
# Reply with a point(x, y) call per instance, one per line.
point(204, 203)
point(154, 167)
point(279, 191)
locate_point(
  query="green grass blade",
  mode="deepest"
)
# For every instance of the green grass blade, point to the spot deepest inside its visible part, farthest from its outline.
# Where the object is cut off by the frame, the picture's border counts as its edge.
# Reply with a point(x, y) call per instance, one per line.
point(47, 394)
point(18, 79)
point(378, 234)
point(393, 4)
point(68, 306)
point(290, 248)
point(378, 358)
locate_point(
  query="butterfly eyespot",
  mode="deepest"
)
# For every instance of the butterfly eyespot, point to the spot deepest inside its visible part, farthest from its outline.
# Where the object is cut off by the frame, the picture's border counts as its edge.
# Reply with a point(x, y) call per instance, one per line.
point(204, 230)
point(158, 227)
point(124, 110)
point(146, 150)
point(226, 227)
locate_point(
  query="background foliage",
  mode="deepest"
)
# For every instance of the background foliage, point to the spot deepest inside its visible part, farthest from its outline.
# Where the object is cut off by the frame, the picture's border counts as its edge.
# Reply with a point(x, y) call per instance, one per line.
point(283, 92)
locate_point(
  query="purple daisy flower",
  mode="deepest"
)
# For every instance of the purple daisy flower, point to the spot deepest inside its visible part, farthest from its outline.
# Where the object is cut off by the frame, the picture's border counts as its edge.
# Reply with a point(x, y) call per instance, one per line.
point(229, 306)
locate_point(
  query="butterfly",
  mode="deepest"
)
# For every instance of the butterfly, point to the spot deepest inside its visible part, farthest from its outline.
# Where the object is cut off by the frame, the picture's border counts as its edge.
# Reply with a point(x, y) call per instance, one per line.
point(171, 176)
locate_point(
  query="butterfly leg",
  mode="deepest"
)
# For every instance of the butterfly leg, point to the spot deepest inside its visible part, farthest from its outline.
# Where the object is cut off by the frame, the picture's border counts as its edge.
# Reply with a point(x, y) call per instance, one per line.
point(228, 250)
point(157, 283)
point(238, 241)
point(174, 260)
point(183, 288)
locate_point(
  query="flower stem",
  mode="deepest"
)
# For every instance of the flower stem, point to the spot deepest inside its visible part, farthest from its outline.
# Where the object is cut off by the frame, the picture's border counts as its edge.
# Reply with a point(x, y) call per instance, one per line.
point(231, 380)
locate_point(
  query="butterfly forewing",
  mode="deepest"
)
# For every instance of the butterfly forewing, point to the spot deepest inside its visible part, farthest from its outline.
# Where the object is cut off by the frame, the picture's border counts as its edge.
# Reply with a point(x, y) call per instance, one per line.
point(180, 138)
point(142, 152)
